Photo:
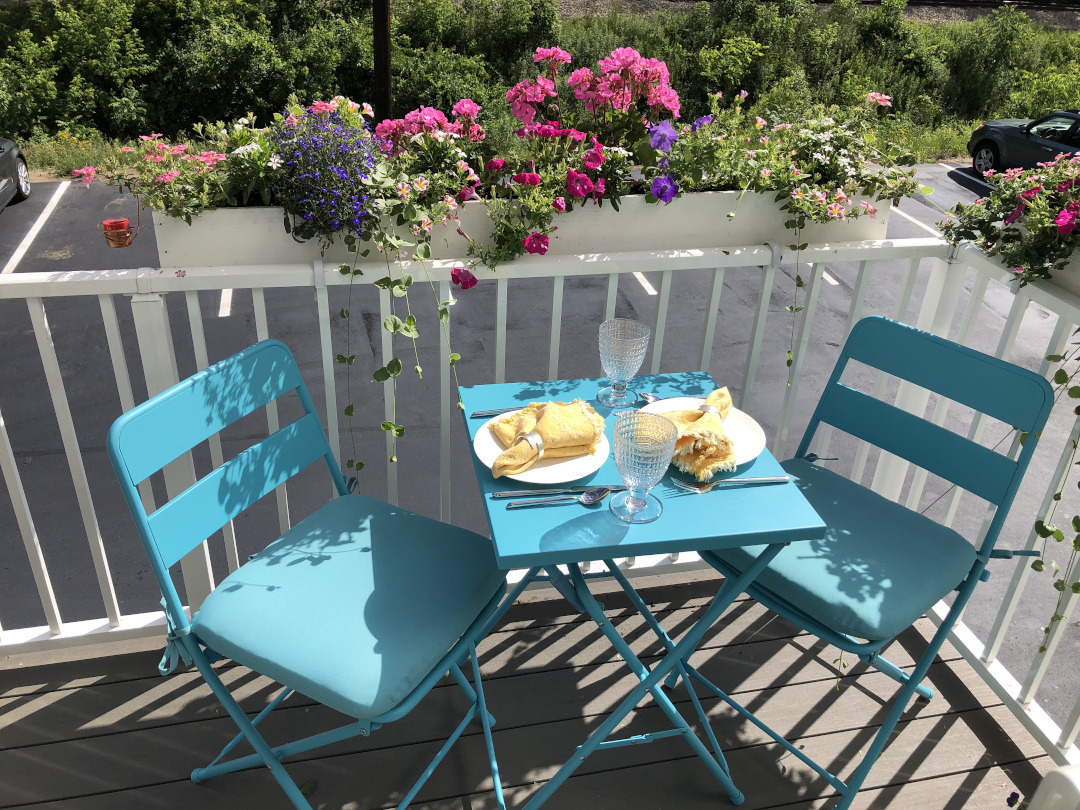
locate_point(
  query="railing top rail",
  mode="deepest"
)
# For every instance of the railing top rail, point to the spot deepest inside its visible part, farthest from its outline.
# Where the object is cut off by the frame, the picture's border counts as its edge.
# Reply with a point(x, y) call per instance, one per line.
point(165, 279)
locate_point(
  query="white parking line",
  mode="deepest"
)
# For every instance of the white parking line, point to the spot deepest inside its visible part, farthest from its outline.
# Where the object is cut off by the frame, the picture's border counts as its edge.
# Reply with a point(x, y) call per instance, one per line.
point(922, 225)
point(644, 282)
point(24, 245)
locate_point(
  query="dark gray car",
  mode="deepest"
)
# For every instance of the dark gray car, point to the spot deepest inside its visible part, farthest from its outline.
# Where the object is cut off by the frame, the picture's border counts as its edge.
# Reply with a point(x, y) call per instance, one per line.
point(14, 176)
point(1024, 143)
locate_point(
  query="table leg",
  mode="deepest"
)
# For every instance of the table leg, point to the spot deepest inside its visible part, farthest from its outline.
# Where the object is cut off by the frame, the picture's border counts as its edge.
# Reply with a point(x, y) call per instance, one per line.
point(650, 679)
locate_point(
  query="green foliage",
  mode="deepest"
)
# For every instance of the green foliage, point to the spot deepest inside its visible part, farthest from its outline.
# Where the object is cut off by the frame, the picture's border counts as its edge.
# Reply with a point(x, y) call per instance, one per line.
point(987, 61)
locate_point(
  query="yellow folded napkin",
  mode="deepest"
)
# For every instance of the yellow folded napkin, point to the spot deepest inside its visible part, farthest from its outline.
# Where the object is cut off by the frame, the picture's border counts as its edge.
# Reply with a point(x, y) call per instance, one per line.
point(565, 429)
point(703, 447)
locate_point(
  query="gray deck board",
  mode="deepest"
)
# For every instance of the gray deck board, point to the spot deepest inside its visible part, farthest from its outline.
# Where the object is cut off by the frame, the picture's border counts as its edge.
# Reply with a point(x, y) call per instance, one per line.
point(110, 733)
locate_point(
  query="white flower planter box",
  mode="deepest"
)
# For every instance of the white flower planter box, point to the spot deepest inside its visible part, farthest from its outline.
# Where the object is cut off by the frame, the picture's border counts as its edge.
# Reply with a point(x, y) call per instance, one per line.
point(256, 236)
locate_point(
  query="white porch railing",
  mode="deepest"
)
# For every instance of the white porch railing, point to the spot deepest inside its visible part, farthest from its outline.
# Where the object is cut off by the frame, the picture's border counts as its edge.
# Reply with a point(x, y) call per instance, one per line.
point(80, 581)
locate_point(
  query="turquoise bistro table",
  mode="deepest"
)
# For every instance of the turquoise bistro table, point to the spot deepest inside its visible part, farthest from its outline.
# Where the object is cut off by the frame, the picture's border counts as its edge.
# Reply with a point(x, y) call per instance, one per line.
point(543, 538)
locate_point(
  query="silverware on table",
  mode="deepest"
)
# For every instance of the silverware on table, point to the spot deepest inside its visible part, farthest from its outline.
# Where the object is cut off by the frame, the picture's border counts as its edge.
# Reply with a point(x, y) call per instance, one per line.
point(587, 498)
point(645, 396)
point(694, 486)
point(524, 493)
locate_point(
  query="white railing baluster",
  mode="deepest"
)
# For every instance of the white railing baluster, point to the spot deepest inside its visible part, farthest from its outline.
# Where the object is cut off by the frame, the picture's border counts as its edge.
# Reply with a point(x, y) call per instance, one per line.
point(1071, 727)
point(708, 335)
point(389, 399)
point(157, 352)
point(1022, 572)
point(10, 474)
point(329, 364)
point(757, 334)
point(448, 403)
point(656, 345)
point(123, 379)
point(802, 343)
point(501, 287)
point(217, 457)
point(1043, 659)
point(273, 420)
point(555, 327)
point(612, 296)
point(70, 440)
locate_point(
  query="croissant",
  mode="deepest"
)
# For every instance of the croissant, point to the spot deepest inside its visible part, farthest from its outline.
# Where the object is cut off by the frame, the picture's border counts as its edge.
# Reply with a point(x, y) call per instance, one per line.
point(565, 428)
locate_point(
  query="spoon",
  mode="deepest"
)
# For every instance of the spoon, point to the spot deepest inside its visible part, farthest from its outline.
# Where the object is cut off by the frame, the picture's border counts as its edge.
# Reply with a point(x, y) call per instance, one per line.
point(593, 496)
point(650, 398)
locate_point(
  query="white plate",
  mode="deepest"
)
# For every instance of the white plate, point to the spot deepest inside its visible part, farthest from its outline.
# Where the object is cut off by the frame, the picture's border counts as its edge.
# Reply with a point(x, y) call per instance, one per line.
point(747, 434)
point(546, 470)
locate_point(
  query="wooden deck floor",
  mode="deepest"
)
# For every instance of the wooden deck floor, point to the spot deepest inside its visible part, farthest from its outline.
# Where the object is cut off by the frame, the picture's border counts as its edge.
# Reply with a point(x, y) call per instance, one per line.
point(109, 733)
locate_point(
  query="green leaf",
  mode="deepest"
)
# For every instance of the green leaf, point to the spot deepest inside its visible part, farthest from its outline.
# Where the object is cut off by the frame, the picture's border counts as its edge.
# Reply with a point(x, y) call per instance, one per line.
point(394, 366)
point(423, 251)
point(408, 329)
point(1059, 585)
point(1042, 529)
point(1075, 587)
point(1074, 392)
point(1061, 377)
point(926, 190)
point(308, 787)
point(350, 409)
point(346, 360)
point(344, 269)
point(393, 459)
point(387, 426)
point(444, 314)
point(380, 375)
point(454, 357)
point(398, 431)
point(1058, 535)
point(344, 313)
point(1038, 565)
point(392, 324)
point(1055, 358)
point(384, 283)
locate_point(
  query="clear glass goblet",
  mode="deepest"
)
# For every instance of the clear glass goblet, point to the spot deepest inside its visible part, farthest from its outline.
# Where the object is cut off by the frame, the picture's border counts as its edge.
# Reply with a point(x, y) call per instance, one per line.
point(623, 344)
point(644, 443)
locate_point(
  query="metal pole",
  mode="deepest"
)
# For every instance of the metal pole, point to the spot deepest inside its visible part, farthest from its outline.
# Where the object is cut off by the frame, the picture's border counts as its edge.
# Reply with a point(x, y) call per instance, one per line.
point(380, 24)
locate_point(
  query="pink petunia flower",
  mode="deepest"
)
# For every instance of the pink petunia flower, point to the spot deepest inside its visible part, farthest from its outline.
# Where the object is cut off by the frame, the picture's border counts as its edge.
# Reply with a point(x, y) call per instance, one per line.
point(463, 277)
point(527, 179)
point(1016, 214)
point(495, 165)
point(559, 204)
point(577, 184)
point(536, 243)
point(1066, 219)
point(322, 107)
point(86, 173)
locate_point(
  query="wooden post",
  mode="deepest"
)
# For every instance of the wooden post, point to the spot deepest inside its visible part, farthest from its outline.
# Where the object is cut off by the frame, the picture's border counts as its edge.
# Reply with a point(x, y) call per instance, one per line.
point(380, 24)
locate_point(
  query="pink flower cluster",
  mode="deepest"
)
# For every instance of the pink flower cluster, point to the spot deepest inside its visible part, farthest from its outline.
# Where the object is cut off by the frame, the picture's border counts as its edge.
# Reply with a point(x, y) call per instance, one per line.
point(429, 121)
point(880, 99)
point(524, 96)
point(1066, 218)
point(550, 130)
point(624, 77)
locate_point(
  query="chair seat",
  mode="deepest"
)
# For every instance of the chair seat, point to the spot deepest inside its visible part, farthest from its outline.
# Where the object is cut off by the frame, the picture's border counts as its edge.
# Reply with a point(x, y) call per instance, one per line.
point(354, 605)
point(879, 567)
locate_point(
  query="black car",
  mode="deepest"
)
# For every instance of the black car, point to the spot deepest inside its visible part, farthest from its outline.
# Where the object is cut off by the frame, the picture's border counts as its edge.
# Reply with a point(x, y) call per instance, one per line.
point(14, 176)
point(1024, 143)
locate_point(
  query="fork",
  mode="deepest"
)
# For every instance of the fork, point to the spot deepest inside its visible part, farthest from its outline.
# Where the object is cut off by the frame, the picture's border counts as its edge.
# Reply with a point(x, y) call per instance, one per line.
point(694, 486)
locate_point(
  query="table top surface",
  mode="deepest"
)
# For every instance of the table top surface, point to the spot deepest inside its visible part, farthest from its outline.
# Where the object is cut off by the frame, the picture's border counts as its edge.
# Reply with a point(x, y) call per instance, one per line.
point(570, 532)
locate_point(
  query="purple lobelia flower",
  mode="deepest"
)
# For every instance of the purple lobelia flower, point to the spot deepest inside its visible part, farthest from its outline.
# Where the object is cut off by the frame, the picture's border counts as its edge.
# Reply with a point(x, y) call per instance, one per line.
point(705, 119)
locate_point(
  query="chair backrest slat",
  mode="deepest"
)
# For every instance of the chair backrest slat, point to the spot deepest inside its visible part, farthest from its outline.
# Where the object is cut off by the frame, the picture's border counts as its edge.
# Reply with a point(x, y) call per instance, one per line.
point(970, 466)
point(199, 511)
point(194, 410)
point(994, 387)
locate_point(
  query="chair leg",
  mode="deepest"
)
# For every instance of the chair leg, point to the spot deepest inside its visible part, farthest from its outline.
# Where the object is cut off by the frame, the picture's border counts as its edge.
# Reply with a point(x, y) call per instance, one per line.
point(249, 731)
point(897, 674)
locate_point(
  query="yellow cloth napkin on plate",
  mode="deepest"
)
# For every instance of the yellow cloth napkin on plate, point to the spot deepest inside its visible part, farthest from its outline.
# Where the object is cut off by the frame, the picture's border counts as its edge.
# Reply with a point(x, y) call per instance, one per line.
point(566, 429)
point(703, 447)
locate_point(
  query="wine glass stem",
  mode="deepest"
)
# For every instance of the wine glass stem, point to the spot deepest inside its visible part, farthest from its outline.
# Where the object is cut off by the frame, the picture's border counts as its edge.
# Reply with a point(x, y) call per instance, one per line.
point(618, 388)
point(635, 498)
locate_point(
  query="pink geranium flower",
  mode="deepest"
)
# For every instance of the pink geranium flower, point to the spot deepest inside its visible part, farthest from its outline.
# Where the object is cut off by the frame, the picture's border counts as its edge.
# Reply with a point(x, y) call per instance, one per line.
point(536, 243)
point(167, 177)
point(322, 107)
point(880, 99)
point(466, 108)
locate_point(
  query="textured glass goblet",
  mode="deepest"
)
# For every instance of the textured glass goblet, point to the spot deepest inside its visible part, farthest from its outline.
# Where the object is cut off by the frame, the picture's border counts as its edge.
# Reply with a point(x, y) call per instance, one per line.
point(644, 443)
point(623, 344)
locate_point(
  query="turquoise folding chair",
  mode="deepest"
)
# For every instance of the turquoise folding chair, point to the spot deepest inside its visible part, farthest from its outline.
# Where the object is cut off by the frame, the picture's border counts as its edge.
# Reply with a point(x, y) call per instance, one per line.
point(362, 606)
point(881, 566)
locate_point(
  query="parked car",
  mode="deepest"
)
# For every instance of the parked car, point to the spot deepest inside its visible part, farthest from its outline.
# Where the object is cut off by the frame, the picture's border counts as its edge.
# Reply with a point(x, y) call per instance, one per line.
point(1024, 143)
point(14, 176)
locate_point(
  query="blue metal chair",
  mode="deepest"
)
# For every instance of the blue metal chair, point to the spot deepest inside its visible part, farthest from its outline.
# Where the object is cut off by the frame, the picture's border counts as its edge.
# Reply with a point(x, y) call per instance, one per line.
point(362, 606)
point(881, 566)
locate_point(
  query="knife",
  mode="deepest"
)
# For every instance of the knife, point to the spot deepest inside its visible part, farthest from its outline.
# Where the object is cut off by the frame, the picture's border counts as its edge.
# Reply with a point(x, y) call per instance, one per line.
point(514, 493)
point(494, 411)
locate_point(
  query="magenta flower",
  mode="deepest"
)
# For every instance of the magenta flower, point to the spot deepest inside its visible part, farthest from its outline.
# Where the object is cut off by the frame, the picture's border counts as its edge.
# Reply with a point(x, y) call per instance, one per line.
point(463, 277)
point(167, 177)
point(664, 189)
point(153, 136)
point(593, 158)
point(527, 179)
point(86, 173)
point(578, 184)
point(495, 165)
point(1016, 214)
point(1030, 193)
point(536, 243)
point(880, 99)
point(322, 107)
point(553, 56)
point(559, 204)
point(1066, 219)
point(466, 108)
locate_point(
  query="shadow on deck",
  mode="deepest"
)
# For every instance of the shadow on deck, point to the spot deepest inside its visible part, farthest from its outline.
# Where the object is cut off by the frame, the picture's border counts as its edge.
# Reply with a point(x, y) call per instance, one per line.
point(110, 733)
